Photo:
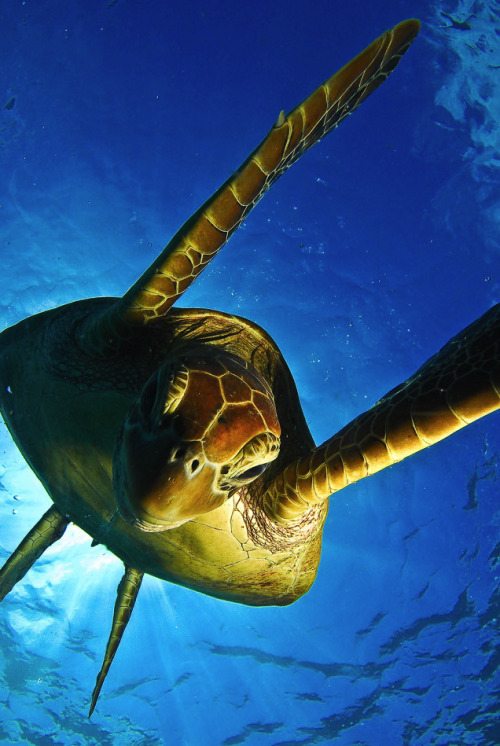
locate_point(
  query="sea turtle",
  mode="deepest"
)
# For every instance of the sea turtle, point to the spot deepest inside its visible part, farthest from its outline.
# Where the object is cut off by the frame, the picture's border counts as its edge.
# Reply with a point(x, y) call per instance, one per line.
point(175, 436)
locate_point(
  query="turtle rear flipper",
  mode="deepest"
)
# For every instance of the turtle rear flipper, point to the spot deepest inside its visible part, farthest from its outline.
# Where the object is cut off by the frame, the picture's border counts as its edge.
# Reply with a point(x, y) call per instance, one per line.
point(206, 232)
point(48, 530)
point(126, 596)
point(455, 387)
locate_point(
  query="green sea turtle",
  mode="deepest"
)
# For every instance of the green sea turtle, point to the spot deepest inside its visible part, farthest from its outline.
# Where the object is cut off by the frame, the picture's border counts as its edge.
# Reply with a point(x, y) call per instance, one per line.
point(175, 436)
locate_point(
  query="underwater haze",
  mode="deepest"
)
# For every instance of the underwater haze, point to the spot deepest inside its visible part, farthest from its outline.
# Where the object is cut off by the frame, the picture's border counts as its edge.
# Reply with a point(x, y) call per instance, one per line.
point(117, 120)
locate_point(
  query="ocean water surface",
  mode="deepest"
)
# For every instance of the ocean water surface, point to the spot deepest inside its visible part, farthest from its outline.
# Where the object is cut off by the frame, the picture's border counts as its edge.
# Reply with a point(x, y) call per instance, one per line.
point(119, 119)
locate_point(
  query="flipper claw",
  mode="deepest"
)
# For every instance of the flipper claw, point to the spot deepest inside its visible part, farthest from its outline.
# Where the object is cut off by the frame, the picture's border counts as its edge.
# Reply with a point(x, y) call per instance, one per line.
point(126, 596)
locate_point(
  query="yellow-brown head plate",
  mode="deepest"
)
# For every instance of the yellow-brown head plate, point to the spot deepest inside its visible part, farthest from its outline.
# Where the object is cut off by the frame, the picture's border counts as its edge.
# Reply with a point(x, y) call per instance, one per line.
point(203, 426)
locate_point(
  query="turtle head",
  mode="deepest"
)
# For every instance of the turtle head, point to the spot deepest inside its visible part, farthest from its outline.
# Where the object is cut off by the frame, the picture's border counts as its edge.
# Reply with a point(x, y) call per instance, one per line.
point(203, 426)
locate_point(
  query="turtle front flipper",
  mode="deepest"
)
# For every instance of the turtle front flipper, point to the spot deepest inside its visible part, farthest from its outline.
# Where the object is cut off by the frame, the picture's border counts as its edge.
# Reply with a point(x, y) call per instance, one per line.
point(204, 234)
point(48, 530)
point(126, 596)
point(457, 386)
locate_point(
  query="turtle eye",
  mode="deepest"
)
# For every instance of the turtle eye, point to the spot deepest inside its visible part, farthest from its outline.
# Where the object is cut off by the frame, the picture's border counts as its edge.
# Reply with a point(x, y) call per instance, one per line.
point(252, 473)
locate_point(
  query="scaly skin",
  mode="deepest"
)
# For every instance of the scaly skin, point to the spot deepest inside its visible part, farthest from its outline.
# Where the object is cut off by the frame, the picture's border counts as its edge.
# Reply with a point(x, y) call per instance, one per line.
point(48, 530)
point(208, 230)
point(457, 386)
point(126, 596)
point(176, 438)
point(69, 437)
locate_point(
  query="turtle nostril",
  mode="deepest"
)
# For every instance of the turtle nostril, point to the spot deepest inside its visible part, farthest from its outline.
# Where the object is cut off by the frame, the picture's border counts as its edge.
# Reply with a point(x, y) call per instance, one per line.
point(178, 454)
point(194, 465)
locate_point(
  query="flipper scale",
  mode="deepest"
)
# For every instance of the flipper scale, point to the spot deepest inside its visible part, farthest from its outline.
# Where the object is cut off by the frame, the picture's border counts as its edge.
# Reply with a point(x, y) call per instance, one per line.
point(48, 530)
point(126, 596)
point(455, 387)
point(206, 232)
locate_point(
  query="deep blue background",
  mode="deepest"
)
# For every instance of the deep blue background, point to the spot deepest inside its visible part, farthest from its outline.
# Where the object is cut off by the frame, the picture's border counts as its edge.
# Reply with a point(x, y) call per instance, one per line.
point(362, 261)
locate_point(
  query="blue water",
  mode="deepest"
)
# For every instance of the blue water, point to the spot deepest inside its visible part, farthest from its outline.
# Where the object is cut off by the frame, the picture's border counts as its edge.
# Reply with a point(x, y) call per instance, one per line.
point(377, 247)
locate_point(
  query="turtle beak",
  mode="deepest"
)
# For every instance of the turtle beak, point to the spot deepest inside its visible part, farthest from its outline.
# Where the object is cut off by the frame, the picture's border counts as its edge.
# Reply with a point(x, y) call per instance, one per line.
point(161, 481)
